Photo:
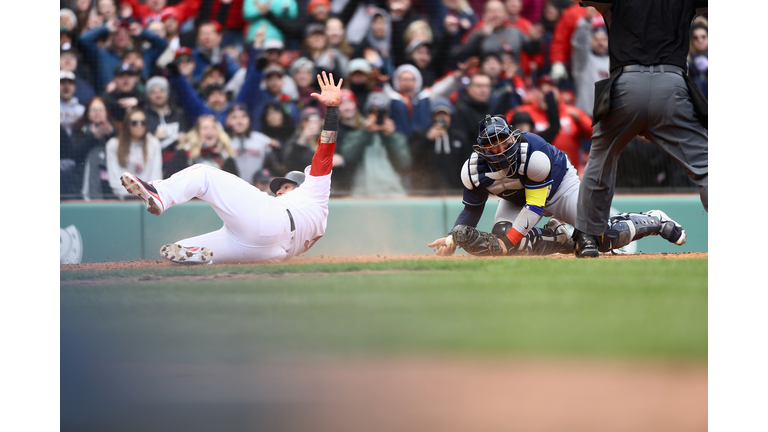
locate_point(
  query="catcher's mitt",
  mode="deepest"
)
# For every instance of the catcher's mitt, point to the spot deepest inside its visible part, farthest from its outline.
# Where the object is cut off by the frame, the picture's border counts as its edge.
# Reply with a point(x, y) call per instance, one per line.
point(476, 242)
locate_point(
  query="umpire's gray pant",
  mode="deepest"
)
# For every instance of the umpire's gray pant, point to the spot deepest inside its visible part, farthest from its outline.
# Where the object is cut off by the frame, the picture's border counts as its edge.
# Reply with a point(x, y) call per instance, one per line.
point(655, 105)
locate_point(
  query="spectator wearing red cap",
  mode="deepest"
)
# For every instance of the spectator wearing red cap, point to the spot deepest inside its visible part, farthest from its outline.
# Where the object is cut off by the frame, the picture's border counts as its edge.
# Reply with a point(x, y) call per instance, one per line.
point(575, 124)
point(262, 14)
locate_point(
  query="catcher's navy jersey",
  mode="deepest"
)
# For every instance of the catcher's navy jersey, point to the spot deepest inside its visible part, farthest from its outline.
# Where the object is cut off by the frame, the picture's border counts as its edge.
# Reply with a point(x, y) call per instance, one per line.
point(540, 164)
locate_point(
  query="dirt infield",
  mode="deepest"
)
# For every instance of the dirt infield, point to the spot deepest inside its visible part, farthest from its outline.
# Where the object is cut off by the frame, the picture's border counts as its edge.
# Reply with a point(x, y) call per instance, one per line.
point(137, 264)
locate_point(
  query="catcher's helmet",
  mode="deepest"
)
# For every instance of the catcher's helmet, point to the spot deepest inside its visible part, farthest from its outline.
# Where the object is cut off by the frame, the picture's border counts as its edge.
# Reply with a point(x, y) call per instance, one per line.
point(492, 132)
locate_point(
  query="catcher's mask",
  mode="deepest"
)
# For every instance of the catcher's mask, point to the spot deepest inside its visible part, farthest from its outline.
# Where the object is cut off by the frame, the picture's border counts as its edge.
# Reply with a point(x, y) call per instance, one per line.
point(493, 132)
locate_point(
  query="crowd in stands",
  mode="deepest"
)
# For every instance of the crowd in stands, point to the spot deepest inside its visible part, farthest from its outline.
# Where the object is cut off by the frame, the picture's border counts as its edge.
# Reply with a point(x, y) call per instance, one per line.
point(154, 86)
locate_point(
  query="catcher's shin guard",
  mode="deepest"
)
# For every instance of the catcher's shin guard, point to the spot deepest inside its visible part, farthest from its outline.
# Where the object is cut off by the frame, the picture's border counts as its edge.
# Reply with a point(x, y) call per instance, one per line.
point(476, 242)
point(625, 228)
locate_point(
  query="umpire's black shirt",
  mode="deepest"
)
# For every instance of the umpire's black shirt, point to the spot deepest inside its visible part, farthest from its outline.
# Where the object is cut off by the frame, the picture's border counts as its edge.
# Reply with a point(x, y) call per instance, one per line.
point(648, 32)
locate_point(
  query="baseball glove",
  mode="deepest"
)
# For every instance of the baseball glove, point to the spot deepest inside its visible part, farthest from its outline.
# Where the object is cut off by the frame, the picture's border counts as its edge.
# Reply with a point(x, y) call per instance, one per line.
point(476, 242)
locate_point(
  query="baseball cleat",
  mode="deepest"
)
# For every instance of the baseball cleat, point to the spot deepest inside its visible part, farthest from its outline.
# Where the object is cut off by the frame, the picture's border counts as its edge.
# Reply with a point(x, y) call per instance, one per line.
point(585, 245)
point(144, 191)
point(561, 234)
point(670, 230)
point(187, 255)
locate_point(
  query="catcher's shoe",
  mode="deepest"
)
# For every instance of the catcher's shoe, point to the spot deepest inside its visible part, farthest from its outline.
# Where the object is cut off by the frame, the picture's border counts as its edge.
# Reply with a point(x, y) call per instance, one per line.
point(670, 230)
point(187, 255)
point(143, 190)
point(585, 245)
point(476, 242)
point(561, 234)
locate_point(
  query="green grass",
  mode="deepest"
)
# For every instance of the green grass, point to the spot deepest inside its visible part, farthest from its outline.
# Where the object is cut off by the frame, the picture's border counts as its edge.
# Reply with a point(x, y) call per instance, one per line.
point(636, 309)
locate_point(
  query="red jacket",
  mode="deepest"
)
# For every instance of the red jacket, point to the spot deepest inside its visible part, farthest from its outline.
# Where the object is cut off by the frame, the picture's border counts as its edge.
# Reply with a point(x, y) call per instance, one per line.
point(144, 14)
point(560, 47)
point(575, 125)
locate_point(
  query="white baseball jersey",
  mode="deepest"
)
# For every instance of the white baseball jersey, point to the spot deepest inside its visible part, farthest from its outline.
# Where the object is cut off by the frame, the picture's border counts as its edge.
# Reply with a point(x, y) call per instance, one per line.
point(257, 226)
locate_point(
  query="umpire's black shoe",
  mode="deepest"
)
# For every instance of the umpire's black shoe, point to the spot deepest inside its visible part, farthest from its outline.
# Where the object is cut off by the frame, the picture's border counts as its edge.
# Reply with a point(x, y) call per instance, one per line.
point(585, 245)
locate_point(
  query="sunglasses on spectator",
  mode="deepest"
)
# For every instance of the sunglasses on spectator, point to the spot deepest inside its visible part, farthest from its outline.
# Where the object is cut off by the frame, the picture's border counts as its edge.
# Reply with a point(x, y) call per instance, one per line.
point(700, 37)
point(138, 122)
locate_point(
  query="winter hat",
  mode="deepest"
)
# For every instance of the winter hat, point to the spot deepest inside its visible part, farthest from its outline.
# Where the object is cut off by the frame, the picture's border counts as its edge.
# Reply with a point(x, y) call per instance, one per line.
point(157, 81)
point(442, 104)
point(300, 63)
point(407, 68)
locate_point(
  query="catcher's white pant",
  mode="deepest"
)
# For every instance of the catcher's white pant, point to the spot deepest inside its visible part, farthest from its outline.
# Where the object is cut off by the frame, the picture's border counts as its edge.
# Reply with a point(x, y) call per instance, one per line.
point(256, 225)
point(562, 205)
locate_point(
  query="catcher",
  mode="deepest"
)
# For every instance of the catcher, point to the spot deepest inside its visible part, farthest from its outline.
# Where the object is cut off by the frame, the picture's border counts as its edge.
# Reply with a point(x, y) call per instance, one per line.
point(532, 179)
point(257, 227)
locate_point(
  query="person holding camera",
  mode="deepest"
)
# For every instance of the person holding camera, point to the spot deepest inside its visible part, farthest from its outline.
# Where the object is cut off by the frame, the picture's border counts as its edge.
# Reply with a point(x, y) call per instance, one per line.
point(379, 153)
point(439, 150)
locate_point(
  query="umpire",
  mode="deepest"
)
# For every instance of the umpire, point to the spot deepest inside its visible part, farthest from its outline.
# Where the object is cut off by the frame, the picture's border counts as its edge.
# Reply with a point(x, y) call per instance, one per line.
point(648, 93)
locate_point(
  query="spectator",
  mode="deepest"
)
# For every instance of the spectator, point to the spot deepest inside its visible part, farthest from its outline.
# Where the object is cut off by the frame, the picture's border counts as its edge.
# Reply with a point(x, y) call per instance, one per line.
point(251, 147)
point(523, 122)
point(491, 65)
point(68, 21)
point(350, 120)
point(206, 143)
point(208, 51)
point(473, 105)
point(298, 150)
point(378, 151)
point(89, 138)
point(550, 14)
point(325, 58)
point(167, 56)
point(119, 35)
point(575, 124)
point(107, 9)
point(213, 74)
point(459, 19)
point(560, 47)
point(304, 74)
point(438, 150)
point(410, 107)
point(70, 110)
point(360, 80)
point(425, 56)
point(698, 57)
point(70, 177)
point(531, 63)
point(495, 36)
point(213, 101)
point(258, 98)
point(125, 95)
point(82, 10)
point(172, 22)
point(276, 123)
point(230, 14)
point(265, 13)
point(402, 14)
point(134, 151)
point(262, 178)
point(377, 48)
point(164, 121)
point(589, 58)
point(184, 62)
point(337, 37)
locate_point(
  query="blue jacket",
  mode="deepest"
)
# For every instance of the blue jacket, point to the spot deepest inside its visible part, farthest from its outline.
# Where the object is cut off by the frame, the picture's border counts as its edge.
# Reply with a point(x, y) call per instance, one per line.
point(104, 61)
point(202, 61)
point(256, 98)
point(191, 102)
